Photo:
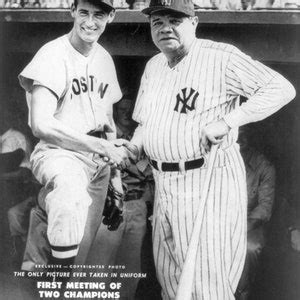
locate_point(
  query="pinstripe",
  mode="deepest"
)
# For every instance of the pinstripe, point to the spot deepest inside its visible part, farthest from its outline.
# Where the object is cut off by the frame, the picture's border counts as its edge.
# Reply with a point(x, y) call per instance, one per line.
point(162, 151)
point(171, 266)
point(156, 121)
point(189, 78)
point(214, 236)
point(242, 204)
point(212, 70)
point(164, 278)
point(221, 228)
point(227, 241)
point(179, 243)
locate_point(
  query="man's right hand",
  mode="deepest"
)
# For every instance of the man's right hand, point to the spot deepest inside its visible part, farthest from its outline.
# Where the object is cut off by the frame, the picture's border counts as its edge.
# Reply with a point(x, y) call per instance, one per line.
point(116, 156)
point(133, 151)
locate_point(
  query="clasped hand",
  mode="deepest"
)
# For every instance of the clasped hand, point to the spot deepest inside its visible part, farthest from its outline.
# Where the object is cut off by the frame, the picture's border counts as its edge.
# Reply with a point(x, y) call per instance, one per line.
point(121, 154)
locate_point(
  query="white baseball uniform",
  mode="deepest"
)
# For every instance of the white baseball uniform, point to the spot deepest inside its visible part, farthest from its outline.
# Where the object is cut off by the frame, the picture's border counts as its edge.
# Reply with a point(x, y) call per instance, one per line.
point(86, 88)
point(173, 106)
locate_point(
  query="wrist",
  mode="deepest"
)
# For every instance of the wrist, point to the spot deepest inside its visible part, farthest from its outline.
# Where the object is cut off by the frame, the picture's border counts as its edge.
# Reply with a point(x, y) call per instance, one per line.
point(102, 146)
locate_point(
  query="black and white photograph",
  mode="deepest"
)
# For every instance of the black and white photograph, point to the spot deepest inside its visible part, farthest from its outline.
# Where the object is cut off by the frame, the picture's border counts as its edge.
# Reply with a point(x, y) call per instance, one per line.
point(149, 149)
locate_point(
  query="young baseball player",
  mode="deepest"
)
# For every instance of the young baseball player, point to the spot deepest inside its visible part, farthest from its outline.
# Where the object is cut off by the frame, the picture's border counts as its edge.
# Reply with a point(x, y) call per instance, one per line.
point(188, 100)
point(71, 85)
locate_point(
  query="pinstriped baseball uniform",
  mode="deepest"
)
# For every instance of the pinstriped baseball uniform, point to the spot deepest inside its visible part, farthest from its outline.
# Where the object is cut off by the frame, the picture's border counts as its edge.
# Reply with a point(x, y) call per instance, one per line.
point(173, 106)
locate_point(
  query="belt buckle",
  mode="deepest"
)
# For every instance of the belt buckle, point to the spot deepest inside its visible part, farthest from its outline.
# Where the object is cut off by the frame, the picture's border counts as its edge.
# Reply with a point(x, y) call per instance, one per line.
point(181, 165)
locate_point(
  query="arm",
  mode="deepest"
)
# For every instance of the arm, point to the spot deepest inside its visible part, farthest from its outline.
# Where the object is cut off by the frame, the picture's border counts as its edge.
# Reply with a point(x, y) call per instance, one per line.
point(137, 141)
point(266, 90)
point(46, 127)
point(133, 148)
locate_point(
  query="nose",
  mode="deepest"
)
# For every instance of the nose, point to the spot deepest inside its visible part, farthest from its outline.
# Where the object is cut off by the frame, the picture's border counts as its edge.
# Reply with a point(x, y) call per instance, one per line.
point(89, 21)
point(166, 28)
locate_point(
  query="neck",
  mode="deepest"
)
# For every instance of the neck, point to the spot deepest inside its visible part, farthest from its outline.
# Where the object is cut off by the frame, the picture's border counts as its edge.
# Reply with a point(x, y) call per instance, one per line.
point(79, 45)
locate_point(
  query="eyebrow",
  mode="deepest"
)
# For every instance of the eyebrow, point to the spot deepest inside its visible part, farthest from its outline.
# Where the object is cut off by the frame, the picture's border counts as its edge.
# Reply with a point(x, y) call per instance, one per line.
point(155, 19)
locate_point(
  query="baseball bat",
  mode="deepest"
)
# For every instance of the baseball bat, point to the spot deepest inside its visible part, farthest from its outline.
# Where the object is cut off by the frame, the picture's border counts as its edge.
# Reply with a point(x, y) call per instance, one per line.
point(185, 286)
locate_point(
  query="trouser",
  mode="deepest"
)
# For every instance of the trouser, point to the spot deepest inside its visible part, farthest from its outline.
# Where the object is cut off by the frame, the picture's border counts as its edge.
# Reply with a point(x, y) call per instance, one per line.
point(222, 241)
point(72, 181)
point(37, 251)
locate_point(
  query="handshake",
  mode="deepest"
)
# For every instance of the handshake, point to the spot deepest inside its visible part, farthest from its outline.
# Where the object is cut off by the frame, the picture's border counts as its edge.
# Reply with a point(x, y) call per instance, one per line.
point(118, 153)
point(121, 153)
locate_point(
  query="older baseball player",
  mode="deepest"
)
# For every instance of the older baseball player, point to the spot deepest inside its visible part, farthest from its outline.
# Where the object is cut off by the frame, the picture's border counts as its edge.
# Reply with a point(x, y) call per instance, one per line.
point(188, 100)
point(71, 85)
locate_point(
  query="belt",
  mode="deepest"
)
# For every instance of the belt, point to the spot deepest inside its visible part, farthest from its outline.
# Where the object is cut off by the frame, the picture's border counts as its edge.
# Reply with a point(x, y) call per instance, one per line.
point(176, 167)
point(133, 196)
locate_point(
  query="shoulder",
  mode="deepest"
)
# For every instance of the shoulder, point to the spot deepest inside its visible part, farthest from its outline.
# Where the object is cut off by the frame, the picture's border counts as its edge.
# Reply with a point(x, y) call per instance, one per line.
point(210, 45)
point(156, 62)
point(103, 54)
point(53, 47)
point(156, 59)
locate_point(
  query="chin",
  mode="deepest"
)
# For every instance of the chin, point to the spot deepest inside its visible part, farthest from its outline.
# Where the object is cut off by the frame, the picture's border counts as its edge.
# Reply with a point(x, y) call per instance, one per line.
point(168, 47)
point(90, 40)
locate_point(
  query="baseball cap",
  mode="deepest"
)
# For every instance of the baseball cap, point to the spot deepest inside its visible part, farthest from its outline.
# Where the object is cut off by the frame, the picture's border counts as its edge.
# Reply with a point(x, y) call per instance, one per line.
point(182, 6)
point(107, 3)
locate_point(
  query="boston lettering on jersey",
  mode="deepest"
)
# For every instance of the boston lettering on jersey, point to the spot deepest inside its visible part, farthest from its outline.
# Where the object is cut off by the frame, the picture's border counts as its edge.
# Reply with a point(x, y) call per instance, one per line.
point(183, 98)
point(83, 84)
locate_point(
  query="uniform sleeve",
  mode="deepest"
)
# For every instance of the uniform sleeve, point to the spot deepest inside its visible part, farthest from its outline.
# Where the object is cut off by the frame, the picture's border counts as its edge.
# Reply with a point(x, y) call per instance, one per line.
point(139, 112)
point(267, 91)
point(266, 193)
point(115, 90)
point(48, 69)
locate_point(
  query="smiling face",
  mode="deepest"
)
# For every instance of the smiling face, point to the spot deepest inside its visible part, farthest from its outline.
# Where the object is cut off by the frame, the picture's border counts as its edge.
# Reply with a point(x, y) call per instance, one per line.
point(90, 20)
point(172, 32)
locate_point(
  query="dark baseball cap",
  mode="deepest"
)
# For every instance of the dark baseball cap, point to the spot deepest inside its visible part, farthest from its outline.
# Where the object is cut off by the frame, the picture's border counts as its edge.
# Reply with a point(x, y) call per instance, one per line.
point(107, 3)
point(185, 7)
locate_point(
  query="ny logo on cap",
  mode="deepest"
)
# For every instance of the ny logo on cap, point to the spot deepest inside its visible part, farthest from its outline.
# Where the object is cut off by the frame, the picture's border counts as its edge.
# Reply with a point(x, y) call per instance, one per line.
point(166, 2)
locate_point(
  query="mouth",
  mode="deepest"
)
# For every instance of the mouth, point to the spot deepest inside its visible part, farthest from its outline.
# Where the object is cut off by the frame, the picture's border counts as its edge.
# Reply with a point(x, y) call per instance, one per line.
point(88, 30)
point(167, 39)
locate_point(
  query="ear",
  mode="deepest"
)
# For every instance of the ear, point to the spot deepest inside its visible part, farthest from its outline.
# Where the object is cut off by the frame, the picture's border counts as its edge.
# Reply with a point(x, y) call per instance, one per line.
point(195, 21)
point(72, 10)
point(111, 16)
